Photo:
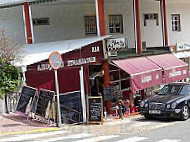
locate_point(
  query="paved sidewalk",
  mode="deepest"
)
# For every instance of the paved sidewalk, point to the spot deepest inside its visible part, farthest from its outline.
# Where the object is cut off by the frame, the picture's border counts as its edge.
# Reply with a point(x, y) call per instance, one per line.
point(15, 124)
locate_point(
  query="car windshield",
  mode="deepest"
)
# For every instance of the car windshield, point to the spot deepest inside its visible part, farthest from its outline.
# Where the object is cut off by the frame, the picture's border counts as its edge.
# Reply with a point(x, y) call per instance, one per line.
point(170, 90)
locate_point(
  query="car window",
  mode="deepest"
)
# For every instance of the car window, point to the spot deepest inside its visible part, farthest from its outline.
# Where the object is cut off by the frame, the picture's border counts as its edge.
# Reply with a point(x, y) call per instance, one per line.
point(170, 89)
point(164, 90)
point(185, 90)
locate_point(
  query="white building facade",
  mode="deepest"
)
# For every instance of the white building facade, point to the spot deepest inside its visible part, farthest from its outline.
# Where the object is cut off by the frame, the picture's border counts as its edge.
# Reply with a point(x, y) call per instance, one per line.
point(62, 20)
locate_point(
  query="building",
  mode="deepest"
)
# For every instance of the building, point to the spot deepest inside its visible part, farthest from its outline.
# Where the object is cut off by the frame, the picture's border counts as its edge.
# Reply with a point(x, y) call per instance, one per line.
point(143, 27)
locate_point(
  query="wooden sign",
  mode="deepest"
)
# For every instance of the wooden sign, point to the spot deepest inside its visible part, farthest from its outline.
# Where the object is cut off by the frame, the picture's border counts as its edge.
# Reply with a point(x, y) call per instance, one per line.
point(44, 103)
point(95, 110)
point(26, 98)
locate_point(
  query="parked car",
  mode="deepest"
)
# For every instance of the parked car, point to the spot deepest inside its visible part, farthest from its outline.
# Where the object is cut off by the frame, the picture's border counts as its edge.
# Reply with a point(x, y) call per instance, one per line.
point(172, 101)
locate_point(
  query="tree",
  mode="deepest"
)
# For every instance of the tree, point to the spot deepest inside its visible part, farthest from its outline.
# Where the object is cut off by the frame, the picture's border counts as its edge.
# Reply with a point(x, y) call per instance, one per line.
point(9, 74)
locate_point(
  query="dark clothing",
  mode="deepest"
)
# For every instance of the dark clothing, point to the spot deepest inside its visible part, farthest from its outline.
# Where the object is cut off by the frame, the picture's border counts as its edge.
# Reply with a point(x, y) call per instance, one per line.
point(122, 109)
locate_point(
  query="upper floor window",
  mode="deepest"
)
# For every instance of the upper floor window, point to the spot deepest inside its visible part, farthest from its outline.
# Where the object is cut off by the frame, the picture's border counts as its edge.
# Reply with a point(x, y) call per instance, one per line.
point(90, 25)
point(176, 22)
point(151, 16)
point(40, 21)
point(115, 24)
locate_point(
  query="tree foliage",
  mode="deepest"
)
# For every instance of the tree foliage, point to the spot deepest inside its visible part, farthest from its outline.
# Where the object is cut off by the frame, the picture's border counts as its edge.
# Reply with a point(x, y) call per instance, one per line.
point(9, 74)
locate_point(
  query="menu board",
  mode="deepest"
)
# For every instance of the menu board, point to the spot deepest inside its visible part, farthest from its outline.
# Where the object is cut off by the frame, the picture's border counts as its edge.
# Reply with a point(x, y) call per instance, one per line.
point(71, 109)
point(108, 93)
point(95, 109)
point(26, 98)
point(44, 102)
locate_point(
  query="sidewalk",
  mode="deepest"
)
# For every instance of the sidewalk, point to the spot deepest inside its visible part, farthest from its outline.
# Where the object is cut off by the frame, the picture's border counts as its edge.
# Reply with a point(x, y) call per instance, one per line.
point(11, 124)
point(14, 124)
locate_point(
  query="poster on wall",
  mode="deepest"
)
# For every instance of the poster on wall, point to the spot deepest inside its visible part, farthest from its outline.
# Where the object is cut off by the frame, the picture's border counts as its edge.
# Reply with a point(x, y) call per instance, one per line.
point(26, 99)
point(108, 93)
point(44, 103)
point(95, 109)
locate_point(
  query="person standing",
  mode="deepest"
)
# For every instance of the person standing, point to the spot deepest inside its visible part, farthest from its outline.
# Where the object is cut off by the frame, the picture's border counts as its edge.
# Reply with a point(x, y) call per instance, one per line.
point(120, 104)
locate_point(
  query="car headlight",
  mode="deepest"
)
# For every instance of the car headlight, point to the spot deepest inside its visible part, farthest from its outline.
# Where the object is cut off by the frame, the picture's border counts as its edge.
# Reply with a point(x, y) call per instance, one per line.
point(142, 104)
point(146, 105)
point(168, 106)
point(173, 105)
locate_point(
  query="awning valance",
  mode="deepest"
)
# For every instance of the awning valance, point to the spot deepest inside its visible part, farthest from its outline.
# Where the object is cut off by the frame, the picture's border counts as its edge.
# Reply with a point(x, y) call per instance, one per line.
point(143, 72)
point(174, 68)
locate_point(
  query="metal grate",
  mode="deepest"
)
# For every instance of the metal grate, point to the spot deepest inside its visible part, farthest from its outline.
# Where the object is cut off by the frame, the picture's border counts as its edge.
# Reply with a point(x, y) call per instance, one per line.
point(156, 106)
point(90, 25)
point(115, 24)
point(176, 22)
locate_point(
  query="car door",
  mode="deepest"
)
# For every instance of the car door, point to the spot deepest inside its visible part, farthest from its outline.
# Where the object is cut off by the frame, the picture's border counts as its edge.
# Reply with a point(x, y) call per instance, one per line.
point(186, 92)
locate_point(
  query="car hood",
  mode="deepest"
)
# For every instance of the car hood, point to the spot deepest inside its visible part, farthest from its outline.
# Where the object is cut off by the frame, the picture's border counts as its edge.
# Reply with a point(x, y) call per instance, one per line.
point(165, 98)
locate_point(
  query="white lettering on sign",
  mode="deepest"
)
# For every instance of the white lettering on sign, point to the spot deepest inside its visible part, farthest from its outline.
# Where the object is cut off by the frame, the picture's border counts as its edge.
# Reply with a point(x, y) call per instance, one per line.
point(157, 76)
point(43, 67)
point(173, 74)
point(146, 79)
point(81, 61)
point(118, 44)
point(183, 46)
point(95, 49)
point(184, 71)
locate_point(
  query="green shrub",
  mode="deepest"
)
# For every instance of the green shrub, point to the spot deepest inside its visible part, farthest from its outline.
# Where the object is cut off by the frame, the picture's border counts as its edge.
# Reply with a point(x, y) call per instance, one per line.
point(9, 77)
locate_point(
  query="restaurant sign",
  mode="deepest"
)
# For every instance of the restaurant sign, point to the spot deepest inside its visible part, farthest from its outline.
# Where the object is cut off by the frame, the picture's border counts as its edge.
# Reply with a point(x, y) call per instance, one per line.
point(118, 44)
point(89, 54)
point(181, 46)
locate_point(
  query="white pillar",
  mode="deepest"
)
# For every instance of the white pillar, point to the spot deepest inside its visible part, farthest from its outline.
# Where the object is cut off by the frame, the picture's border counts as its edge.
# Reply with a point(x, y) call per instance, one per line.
point(83, 96)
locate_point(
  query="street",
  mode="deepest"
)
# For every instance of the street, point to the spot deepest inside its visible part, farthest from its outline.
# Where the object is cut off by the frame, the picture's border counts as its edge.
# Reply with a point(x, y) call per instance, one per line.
point(135, 129)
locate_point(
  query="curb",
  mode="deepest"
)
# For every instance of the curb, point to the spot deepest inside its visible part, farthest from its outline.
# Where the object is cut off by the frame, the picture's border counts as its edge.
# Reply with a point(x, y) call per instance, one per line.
point(31, 131)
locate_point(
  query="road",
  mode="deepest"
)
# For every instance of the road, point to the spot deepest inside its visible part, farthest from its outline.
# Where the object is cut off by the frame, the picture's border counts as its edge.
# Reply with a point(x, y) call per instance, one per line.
point(135, 129)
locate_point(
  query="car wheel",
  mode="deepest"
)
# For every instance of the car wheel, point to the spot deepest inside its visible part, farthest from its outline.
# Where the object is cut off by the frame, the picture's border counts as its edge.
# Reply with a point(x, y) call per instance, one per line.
point(185, 112)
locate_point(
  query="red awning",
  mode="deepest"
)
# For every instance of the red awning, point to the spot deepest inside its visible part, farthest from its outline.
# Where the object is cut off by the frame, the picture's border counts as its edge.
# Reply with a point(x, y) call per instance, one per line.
point(174, 68)
point(143, 72)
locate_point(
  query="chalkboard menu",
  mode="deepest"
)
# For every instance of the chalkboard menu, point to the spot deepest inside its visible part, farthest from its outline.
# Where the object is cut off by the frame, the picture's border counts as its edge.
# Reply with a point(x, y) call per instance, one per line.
point(44, 103)
point(108, 93)
point(26, 98)
point(95, 109)
point(71, 109)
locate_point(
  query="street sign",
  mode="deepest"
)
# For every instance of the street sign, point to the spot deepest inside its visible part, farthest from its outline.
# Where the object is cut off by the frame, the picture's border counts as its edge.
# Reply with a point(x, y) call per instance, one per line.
point(55, 60)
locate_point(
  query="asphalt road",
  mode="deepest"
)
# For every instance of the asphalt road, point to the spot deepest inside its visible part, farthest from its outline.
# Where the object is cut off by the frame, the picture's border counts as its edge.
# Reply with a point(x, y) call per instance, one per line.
point(135, 129)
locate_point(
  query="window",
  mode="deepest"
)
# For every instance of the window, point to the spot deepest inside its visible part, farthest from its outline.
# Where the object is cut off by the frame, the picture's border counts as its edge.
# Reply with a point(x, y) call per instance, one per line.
point(40, 21)
point(176, 22)
point(90, 25)
point(151, 16)
point(115, 24)
point(185, 90)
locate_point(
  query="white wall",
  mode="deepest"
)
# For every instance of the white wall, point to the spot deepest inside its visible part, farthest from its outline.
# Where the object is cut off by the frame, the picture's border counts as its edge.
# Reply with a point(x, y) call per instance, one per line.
point(11, 20)
point(67, 21)
point(183, 10)
point(151, 33)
